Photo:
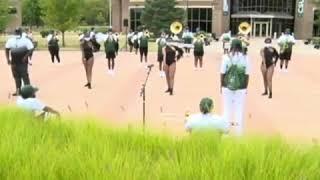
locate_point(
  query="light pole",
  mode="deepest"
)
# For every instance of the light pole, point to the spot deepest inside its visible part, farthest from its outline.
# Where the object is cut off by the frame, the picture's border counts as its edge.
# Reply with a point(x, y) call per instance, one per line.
point(110, 13)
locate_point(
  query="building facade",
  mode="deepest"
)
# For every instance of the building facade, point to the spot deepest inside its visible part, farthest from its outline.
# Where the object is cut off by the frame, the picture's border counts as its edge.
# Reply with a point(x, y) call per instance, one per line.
point(267, 17)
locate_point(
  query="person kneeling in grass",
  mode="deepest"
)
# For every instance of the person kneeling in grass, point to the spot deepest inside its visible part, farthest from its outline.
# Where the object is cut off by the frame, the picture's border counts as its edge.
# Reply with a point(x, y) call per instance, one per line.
point(29, 102)
point(205, 120)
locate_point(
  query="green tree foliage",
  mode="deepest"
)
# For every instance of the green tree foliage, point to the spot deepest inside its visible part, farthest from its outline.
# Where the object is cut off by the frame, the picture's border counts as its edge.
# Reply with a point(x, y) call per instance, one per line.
point(159, 14)
point(31, 13)
point(4, 16)
point(62, 14)
point(95, 12)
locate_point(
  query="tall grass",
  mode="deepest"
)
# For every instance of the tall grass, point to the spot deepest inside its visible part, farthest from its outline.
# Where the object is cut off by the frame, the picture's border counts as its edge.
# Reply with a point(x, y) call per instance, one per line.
point(73, 149)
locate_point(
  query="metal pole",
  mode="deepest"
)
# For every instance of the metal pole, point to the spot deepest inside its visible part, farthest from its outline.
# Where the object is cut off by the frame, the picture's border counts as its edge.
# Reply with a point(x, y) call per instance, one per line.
point(144, 106)
point(110, 13)
point(135, 18)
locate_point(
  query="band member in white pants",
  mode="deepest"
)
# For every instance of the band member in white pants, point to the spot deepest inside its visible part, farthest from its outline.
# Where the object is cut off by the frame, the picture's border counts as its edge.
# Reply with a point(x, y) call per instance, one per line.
point(234, 82)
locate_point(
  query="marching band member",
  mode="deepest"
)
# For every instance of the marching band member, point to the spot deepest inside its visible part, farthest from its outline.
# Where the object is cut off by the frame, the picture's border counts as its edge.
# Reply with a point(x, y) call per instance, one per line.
point(161, 42)
point(53, 46)
point(187, 37)
point(286, 41)
point(135, 41)
point(110, 49)
point(245, 42)
point(143, 46)
point(130, 35)
point(226, 40)
point(116, 36)
point(234, 71)
point(94, 41)
point(87, 57)
point(270, 57)
point(19, 48)
point(198, 51)
point(170, 56)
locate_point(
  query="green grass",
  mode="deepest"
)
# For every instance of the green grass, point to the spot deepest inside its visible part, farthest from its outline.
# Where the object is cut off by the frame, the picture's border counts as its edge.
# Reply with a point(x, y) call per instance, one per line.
point(71, 42)
point(85, 149)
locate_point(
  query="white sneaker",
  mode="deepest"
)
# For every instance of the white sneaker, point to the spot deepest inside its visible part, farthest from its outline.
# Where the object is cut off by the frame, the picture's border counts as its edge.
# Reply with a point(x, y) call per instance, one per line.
point(286, 71)
point(112, 72)
point(109, 71)
point(162, 74)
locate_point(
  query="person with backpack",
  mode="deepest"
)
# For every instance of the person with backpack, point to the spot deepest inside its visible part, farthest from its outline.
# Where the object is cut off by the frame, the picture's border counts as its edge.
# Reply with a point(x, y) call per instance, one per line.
point(270, 57)
point(234, 71)
point(87, 57)
point(143, 47)
point(110, 50)
point(198, 51)
point(53, 46)
point(161, 42)
point(20, 48)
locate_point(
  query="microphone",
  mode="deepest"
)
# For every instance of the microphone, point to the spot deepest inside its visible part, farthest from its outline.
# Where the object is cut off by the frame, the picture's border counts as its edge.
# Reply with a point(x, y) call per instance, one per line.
point(150, 66)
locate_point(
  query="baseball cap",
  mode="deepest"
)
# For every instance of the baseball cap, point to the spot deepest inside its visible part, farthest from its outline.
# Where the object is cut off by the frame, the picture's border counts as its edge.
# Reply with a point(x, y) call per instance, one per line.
point(206, 105)
point(27, 91)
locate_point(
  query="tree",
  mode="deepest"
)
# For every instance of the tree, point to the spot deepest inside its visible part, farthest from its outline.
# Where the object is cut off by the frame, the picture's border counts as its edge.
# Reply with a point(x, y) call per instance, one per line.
point(95, 12)
point(62, 15)
point(158, 15)
point(31, 13)
point(4, 14)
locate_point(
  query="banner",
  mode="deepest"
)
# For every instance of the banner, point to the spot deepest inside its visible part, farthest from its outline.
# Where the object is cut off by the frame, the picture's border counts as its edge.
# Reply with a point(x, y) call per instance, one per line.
point(300, 8)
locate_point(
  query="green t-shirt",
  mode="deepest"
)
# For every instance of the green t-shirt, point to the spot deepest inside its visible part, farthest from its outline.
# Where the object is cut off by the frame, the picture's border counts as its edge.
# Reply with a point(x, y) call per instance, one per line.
point(161, 44)
point(109, 45)
point(198, 46)
point(144, 41)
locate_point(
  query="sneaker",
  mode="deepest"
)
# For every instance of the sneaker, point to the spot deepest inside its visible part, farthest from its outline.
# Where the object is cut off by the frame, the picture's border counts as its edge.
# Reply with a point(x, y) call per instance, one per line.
point(112, 72)
point(286, 71)
point(109, 71)
point(162, 74)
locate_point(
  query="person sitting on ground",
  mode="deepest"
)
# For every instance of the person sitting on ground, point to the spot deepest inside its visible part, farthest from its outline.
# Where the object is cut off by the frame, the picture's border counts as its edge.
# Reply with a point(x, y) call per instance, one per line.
point(205, 120)
point(29, 102)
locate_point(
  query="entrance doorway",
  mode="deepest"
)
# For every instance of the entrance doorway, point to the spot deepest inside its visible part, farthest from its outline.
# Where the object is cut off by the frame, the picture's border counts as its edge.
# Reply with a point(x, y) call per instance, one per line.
point(261, 29)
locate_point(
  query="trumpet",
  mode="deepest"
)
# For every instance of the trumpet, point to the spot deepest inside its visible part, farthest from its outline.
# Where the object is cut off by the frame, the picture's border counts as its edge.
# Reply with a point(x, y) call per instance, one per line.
point(146, 33)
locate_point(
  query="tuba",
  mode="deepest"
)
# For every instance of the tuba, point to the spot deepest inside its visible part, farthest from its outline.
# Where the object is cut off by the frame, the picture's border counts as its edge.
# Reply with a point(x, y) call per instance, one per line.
point(245, 28)
point(176, 27)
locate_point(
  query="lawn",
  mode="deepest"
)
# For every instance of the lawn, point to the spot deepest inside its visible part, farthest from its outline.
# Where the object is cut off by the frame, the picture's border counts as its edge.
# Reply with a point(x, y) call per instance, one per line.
point(86, 149)
point(71, 41)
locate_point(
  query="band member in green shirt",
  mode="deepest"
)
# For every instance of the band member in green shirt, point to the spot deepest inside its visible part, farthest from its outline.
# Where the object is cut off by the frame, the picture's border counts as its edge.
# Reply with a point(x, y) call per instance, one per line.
point(198, 51)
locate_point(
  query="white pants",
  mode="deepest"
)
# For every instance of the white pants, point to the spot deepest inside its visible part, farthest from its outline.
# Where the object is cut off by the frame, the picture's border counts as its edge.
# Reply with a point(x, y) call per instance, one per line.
point(234, 102)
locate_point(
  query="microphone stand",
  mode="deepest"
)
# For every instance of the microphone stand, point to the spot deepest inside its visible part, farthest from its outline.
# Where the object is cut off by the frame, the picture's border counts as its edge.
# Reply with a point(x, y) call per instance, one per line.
point(143, 94)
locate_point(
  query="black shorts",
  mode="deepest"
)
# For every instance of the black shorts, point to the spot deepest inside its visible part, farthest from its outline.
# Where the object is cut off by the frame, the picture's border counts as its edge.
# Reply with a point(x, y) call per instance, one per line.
point(130, 43)
point(110, 55)
point(198, 53)
point(160, 57)
point(135, 45)
point(286, 55)
point(144, 51)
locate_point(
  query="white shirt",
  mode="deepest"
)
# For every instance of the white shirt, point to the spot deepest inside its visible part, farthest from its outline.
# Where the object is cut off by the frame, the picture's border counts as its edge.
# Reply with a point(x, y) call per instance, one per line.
point(30, 104)
point(92, 33)
point(286, 38)
point(18, 42)
point(238, 59)
point(205, 122)
point(187, 34)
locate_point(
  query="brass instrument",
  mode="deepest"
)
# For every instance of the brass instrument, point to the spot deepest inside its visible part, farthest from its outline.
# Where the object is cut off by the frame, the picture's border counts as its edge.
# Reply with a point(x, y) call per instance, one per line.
point(176, 27)
point(146, 33)
point(245, 28)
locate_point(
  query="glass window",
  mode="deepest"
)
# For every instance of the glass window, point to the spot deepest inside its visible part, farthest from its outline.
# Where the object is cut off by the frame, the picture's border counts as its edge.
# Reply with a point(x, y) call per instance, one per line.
point(316, 27)
point(262, 6)
point(201, 17)
point(135, 15)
